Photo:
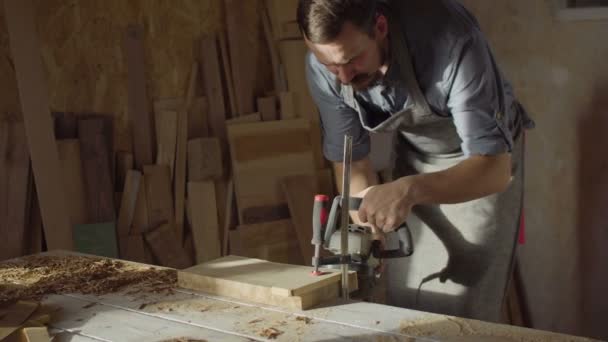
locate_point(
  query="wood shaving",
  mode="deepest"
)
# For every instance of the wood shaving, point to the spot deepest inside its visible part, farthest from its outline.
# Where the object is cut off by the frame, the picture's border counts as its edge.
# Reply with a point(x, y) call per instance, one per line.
point(305, 319)
point(270, 333)
point(33, 277)
point(257, 320)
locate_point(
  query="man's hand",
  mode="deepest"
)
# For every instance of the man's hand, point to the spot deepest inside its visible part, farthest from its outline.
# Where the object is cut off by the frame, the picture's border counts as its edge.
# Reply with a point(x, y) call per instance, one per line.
point(386, 206)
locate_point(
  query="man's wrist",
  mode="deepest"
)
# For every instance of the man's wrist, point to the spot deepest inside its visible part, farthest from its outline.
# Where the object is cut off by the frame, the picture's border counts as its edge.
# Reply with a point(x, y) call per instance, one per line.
point(410, 187)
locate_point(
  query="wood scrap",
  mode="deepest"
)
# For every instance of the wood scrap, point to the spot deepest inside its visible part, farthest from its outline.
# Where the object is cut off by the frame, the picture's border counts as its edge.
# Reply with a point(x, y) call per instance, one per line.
point(288, 110)
point(300, 191)
point(204, 220)
point(260, 281)
point(73, 180)
point(166, 134)
point(14, 185)
point(204, 159)
point(139, 111)
point(179, 186)
point(166, 248)
point(240, 27)
point(36, 334)
point(34, 98)
point(267, 106)
point(96, 169)
point(128, 203)
point(262, 153)
point(59, 273)
point(140, 222)
point(158, 195)
point(255, 117)
point(12, 317)
point(212, 82)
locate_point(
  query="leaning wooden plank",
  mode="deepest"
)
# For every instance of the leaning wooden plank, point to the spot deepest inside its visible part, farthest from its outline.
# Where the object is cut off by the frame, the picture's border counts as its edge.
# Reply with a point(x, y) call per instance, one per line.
point(283, 16)
point(140, 223)
point(158, 195)
point(166, 135)
point(274, 241)
point(139, 111)
point(124, 163)
point(300, 191)
point(277, 73)
point(94, 155)
point(73, 180)
point(265, 282)
point(65, 125)
point(255, 117)
point(204, 220)
point(14, 185)
point(226, 219)
point(242, 31)
point(179, 186)
point(97, 239)
point(212, 83)
point(166, 248)
point(228, 79)
point(288, 109)
point(204, 159)
point(267, 106)
point(127, 205)
point(34, 238)
point(292, 55)
point(132, 248)
point(33, 94)
point(262, 153)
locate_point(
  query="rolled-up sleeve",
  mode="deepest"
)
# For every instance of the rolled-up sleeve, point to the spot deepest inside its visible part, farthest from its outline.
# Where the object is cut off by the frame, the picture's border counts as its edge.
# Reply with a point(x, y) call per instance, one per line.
point(337, 118)
point(476, 101)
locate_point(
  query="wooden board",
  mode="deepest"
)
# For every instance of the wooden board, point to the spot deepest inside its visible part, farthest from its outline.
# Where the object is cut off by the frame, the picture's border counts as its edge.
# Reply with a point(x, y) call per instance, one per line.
point(34, 97)
point(226, 218)
point(14, 186)
point(212, 83)
point(255, 117)
point(228, 79)
point(283, 17)
point(13, 316)
point(124, 163)
point(204, 220)
point(288, 109)
point(132, 248)
point(274, 241)
point(204, 159)
point(65, 125)
point(96, 239)
point(267, 106)
point(262, 153)
point(179, 185)
point(140, 223)
point(139, 111)
point(166, 137)
point(300, 191)
point(277, 73)
point(96, 169)
point(241, 27)
point(166, 248)
point(158, 195)
point(73, 180)
point(128, 202)
point(292, 55)
point(261, 281)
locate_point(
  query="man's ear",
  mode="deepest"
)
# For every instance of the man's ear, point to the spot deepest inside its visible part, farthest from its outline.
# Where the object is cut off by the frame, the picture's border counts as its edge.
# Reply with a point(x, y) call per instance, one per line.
point(381, 27)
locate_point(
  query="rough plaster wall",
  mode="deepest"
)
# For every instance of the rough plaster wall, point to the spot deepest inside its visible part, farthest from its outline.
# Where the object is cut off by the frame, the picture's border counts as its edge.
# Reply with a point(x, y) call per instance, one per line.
point(560, 72)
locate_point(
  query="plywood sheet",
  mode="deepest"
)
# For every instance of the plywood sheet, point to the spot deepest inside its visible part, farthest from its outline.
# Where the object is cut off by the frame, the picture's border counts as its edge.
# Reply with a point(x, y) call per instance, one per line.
point(262, 153)
point(274, 241)
point(264, 282)
point(34, 97)
point(204, 220)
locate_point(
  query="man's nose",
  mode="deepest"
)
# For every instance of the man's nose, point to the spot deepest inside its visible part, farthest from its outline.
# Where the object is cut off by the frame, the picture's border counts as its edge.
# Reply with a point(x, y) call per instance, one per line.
point(345, 73)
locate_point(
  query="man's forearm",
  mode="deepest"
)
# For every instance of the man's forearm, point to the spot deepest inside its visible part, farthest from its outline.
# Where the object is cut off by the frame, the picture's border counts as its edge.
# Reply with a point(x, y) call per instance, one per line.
point(473, 178)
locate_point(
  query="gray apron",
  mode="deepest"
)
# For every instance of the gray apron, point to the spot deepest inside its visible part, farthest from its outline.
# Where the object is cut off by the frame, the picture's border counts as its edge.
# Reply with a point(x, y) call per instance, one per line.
point(463, 252)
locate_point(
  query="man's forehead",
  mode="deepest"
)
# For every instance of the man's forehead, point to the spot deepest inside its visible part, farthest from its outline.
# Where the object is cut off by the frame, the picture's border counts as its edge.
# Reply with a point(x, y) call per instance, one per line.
point(347, 45)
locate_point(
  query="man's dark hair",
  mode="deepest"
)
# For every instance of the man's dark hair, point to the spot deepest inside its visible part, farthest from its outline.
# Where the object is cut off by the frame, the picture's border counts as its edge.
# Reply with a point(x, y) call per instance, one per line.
point(321, 20)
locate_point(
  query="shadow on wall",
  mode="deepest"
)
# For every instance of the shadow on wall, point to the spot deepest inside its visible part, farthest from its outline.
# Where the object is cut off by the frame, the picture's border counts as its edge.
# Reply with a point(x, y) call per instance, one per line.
point(593, 213)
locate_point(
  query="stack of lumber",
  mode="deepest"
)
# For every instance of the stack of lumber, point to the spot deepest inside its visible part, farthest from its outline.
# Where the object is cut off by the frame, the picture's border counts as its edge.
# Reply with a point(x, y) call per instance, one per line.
point(227, 168)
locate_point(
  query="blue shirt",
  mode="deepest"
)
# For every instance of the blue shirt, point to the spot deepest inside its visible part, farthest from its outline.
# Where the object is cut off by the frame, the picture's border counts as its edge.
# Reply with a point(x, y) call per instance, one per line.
point(456, 71)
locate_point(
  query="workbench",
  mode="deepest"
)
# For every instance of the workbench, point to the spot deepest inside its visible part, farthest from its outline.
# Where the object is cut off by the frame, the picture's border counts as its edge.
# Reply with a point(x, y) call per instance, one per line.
point(187, 315)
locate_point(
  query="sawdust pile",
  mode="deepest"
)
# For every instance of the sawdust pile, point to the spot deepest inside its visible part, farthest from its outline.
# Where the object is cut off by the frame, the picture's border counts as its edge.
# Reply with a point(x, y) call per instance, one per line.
point(33, 277)
point(458, 329)
point(270, 333)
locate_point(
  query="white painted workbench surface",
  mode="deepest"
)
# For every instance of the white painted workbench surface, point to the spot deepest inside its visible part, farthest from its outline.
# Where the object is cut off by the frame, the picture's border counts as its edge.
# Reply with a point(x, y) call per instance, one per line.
point(158, 317)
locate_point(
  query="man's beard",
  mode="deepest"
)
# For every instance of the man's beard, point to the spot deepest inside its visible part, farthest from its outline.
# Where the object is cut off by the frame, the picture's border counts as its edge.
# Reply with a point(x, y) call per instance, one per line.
point(363, 81)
